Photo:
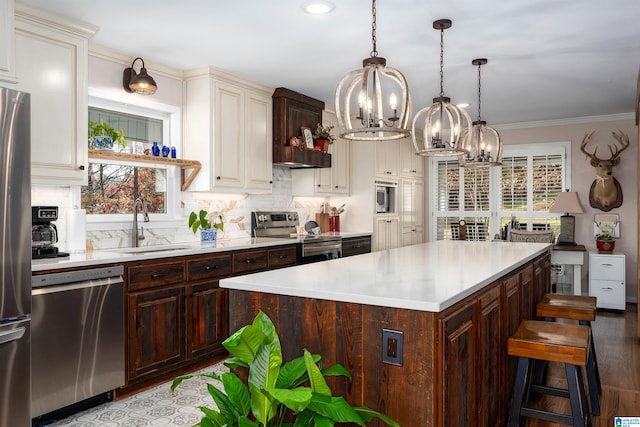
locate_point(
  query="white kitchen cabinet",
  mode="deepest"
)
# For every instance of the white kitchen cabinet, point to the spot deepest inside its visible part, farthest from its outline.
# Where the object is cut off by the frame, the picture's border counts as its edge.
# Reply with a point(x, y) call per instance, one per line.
point(387, 159)
point(328, 181)
point(7, 45)
point(411, 164)
point(228, 127)
point(51, 64)
point(411, 211)
point(387, 232)
point(607, 280)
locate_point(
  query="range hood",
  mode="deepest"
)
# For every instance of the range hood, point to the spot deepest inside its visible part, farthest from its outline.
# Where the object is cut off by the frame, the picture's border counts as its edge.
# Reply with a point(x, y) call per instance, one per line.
point(293, 111)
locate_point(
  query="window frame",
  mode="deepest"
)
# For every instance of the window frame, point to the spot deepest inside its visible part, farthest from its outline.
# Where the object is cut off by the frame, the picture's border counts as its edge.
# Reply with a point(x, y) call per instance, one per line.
point(495, 212)
point(170, 117)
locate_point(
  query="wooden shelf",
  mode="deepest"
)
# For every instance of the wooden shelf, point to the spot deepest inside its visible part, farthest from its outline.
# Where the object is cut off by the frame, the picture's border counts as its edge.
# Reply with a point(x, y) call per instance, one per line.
point(186, 179)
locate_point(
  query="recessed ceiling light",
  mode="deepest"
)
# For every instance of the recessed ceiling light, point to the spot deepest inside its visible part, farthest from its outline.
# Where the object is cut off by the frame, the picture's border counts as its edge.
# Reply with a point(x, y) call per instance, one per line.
point(318, 7)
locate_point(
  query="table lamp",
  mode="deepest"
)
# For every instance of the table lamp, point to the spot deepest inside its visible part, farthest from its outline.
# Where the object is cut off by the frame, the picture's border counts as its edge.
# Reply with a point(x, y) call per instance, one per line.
point(567, 203)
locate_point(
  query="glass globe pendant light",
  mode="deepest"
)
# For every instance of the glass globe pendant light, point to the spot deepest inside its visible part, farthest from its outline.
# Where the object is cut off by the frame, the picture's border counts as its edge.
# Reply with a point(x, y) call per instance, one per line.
point(483, 147)
point(363, 112)
point(438, 130)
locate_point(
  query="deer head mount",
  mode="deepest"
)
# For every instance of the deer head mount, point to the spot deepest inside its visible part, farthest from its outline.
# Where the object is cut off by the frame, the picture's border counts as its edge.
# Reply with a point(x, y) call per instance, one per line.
point(605, 193)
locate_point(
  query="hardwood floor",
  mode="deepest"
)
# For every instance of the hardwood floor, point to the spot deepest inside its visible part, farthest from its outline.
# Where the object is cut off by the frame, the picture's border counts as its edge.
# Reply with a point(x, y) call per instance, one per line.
point(618, 351)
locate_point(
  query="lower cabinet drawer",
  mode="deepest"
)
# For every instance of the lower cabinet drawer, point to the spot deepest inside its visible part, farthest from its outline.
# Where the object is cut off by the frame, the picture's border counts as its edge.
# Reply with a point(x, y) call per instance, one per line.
point(211, 267)
point(249, 261)
point(282, 257)
point(356, 246)
point(609, 293)
point(606, 267)
point(153, 275)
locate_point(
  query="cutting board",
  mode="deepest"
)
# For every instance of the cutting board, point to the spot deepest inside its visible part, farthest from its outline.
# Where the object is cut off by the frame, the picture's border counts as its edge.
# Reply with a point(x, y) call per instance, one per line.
point(323, 221)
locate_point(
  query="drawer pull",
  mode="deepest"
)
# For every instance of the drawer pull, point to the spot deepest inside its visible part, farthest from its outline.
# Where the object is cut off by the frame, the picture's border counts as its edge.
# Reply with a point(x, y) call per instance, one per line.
point(283, 256)
point(607, 265)
point(158, 275)
point(356, 246)
point(248, 261)
point(211, 267)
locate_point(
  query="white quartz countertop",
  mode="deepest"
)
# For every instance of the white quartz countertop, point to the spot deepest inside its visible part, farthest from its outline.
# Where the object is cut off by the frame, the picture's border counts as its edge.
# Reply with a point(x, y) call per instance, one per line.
point(427, 277)
point(122, 255)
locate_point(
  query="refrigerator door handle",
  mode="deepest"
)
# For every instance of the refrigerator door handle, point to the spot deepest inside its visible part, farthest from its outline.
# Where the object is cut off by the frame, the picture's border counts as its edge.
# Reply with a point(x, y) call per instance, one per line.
point(14, 334)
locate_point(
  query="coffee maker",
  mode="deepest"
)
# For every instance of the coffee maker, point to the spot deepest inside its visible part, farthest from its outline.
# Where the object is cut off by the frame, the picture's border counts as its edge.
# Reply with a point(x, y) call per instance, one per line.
point(44, 234)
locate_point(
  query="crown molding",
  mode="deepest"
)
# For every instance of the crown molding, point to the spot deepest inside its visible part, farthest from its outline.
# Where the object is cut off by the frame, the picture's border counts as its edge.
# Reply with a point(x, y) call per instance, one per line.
point(564, 122)
point(36, 15)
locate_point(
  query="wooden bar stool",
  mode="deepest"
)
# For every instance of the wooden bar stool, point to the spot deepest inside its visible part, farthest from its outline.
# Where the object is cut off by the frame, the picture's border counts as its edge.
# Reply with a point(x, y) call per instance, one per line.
point(551, 342)
point(582, 309)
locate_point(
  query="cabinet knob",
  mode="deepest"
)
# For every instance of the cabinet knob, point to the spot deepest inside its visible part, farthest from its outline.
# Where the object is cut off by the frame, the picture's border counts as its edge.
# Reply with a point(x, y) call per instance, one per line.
point(335, 186)
point(270, 182)
point(81, 167)
point(217, 177)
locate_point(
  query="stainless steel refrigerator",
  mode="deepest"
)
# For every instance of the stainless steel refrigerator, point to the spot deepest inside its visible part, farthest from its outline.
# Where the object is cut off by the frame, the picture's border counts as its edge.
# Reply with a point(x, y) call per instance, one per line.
point(15, 258)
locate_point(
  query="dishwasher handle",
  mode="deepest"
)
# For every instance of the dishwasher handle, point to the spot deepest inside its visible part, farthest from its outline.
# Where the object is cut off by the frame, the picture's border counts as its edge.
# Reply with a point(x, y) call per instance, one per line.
point(12, 335)
point(78, 285)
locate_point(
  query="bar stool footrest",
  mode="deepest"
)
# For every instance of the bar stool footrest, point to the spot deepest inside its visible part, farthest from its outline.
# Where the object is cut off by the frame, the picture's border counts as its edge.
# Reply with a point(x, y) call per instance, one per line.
point(552, 391)
point(546, 415)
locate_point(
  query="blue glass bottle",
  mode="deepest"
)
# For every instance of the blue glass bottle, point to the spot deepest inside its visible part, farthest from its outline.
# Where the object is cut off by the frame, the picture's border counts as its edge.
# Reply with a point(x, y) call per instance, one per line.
point(155, 150)
point(165, 151)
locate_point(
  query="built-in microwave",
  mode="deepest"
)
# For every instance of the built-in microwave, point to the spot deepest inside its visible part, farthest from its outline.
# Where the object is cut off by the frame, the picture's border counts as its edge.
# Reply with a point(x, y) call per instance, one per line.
point(386, 196)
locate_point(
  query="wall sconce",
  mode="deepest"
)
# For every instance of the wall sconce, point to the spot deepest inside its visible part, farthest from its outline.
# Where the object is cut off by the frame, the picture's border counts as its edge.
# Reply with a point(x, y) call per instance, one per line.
point(140, 83)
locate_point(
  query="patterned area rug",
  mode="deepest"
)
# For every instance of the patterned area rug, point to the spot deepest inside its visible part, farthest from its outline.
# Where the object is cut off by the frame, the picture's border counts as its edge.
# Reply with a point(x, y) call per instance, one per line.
point(154, 407)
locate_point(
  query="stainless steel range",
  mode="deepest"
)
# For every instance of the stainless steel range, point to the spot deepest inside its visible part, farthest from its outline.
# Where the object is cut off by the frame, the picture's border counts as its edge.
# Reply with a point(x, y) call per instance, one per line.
point(282, 224)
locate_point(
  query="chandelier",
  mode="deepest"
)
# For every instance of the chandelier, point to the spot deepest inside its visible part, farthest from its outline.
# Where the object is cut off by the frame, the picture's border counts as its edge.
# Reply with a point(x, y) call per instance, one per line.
point(442, 125)
point(482, 148)
point(359, 103)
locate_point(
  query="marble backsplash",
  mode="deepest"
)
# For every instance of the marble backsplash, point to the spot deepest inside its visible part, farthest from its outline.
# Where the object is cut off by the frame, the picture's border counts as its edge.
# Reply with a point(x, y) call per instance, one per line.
point(236, 210)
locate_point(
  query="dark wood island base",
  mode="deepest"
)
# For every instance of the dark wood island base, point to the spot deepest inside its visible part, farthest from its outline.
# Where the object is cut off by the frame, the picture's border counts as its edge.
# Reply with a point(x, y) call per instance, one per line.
point(455, 369)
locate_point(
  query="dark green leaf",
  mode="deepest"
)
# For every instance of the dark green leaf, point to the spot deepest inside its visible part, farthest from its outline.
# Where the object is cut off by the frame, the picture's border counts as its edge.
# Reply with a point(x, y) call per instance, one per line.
point(368, 414)
point(303, 419)
point(335, 408)
point(318, 384)
point(237, 393)
point(246, 422)
point(226, 408)
point(290, 372)
point(176, 382)
point(245, 343)
point(296, 399)
point(235, 363)
point(321, 421)
point(336, 370)
point(263, 406)
point(211, 418)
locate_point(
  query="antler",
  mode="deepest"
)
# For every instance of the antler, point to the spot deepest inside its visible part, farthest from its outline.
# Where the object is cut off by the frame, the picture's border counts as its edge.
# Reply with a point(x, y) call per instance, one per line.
point(583, 145)
point(623, 139)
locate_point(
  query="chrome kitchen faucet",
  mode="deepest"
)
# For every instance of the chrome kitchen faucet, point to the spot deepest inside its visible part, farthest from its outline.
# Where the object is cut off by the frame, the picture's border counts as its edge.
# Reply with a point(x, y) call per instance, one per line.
point(135, 237)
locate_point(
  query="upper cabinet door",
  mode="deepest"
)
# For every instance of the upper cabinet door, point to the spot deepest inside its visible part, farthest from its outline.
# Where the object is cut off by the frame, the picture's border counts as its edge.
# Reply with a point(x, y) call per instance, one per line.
point(229, 134)
point(259, 141)
point(412, 165)
point(51, 64)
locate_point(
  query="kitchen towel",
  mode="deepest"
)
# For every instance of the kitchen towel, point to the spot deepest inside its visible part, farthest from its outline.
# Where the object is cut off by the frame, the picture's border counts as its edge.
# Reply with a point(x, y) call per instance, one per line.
point(77, 231)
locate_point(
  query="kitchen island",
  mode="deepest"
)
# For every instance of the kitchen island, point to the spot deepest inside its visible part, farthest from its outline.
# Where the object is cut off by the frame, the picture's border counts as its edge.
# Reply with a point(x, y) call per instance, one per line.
point(455, 303)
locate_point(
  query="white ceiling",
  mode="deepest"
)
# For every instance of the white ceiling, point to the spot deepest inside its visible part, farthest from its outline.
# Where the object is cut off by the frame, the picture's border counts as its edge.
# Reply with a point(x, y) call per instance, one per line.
point(548, 59)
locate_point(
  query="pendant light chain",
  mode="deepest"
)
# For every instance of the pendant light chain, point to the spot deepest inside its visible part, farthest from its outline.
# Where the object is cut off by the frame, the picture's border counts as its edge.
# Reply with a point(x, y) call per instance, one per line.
point(374, 52)
point(479, 84)
point(441, 62)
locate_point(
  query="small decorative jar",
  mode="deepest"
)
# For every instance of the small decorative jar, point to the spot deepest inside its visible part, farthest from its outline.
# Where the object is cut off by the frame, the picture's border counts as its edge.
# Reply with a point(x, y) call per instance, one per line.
point(155, 150)
point(209, 234)
point(165, 151)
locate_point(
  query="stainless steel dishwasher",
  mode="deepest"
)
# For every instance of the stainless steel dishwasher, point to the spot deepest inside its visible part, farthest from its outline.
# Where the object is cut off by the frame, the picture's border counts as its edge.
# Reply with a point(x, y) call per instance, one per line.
point(77, 337)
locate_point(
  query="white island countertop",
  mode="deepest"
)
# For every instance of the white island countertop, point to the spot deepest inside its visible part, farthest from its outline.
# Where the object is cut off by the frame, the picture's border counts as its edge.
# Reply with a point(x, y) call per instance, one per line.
point(427, 277)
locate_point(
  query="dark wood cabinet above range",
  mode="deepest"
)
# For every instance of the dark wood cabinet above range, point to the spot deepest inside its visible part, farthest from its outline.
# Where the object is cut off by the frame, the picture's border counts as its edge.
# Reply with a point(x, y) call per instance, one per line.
point(291, 112)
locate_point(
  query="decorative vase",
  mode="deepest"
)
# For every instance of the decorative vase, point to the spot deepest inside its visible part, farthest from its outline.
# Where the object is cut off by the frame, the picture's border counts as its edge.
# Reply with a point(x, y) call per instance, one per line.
point(321, 145)
point(209, 234)
point(103, 142)
point(605, 246)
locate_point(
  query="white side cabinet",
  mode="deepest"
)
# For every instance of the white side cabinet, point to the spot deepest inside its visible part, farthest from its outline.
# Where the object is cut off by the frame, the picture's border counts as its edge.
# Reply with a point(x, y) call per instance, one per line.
point(228, 127)
point(51, 64)
point(607, 280)
point(387, 232)
point(412, 211)
point(387, 159)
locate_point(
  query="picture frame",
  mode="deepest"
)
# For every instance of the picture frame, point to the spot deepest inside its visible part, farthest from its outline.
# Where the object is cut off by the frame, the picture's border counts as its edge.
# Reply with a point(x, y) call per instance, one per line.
point(308, 137)
point(608, 221)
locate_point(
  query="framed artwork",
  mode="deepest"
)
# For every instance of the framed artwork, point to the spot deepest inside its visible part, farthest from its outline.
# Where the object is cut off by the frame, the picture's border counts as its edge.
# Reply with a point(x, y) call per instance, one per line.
point(605, 223)
point(308, 137)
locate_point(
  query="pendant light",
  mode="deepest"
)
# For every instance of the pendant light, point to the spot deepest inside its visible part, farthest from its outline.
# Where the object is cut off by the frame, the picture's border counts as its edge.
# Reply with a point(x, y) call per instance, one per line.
point(363, 112)
point(482, 147)
point(442, 125)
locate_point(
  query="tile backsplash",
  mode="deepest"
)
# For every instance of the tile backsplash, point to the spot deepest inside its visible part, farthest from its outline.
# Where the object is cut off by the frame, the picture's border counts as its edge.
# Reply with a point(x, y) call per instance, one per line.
point(236, 210)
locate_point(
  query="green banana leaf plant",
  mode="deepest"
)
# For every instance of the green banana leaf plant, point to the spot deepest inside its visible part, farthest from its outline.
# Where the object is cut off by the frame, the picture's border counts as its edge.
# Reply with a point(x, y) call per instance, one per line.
point(293, 394)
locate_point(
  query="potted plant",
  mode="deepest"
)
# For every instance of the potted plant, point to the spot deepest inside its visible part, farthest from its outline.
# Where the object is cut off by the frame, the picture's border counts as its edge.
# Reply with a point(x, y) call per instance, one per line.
point(604, 239)
point(322, 137)
point(208, 223)
point(273, 393)
point(102, 136)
